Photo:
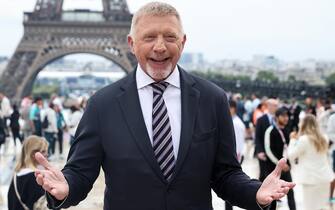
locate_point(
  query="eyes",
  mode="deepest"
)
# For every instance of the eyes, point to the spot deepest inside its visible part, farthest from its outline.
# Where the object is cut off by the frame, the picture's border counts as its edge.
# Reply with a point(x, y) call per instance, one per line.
point(171, 38)
point(166, 37)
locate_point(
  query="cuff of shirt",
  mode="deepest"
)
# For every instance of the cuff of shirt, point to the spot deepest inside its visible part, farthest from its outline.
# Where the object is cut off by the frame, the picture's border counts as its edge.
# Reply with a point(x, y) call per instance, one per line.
point(53, 203)
point(266, 207)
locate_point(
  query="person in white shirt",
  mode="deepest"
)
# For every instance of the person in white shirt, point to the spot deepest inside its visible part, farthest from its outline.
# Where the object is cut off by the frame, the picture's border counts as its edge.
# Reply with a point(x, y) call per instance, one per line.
point(6, 109)
point(49, 124)
point(331, 136)
point(74, 120)
point(331, 127)
point(323, 116)
point(239, 129)
point(309, 148)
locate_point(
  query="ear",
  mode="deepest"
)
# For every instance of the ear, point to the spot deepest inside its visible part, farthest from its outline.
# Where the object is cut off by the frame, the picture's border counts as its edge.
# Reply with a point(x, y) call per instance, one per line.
point(184, 40)
point(131, 43)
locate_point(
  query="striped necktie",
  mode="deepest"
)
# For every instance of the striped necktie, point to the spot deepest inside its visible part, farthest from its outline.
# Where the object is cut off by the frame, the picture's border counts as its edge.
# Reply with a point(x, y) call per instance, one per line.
point(162, 136)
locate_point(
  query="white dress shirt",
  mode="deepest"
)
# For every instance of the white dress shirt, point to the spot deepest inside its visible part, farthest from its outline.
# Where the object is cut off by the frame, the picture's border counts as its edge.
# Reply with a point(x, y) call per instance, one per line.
point(239, 129)
point(172, 99)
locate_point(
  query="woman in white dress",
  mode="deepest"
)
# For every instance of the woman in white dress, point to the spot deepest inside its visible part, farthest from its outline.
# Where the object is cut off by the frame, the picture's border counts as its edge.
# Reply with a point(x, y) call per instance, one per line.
point(309, 148)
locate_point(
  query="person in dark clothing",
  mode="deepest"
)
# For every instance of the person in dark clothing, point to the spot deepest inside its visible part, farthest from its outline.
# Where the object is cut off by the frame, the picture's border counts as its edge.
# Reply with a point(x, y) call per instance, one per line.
point(114, 135)
point(14, 124)
point(261, 125)
point(27, 188)
point(295, 110)
point(276, 140)
point(2, 132)
point(309, 106)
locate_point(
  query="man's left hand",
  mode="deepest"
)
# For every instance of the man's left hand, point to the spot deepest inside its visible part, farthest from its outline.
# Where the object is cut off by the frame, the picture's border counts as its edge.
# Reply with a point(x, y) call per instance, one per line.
point(273, 188)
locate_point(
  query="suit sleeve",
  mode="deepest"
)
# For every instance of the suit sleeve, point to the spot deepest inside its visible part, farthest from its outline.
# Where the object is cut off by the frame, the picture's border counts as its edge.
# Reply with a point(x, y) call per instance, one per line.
point(85, 157)
point(228, 180)
point(259, 142)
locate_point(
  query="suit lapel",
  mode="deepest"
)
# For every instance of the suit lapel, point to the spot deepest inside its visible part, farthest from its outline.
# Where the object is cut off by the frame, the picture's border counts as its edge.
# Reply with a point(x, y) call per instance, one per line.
point(189, 106)
point(131, 108)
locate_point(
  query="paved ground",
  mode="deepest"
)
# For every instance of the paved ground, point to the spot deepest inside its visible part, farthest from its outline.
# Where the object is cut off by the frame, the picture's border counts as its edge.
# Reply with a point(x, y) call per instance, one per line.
point(95, 197)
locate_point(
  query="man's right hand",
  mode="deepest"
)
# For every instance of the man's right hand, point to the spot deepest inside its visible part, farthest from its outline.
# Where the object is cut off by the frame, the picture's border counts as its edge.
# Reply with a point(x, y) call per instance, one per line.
point(51, 179)
point(261, 156)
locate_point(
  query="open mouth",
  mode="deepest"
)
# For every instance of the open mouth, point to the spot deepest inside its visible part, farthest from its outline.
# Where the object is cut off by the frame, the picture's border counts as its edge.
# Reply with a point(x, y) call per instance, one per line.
point(159, 60)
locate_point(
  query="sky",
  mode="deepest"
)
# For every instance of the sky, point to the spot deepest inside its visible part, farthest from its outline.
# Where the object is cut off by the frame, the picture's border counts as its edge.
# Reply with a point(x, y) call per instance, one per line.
point(291, 30)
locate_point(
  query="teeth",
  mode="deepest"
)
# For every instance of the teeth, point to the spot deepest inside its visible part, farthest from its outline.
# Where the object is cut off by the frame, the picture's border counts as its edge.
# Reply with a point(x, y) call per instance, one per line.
point(159, 60)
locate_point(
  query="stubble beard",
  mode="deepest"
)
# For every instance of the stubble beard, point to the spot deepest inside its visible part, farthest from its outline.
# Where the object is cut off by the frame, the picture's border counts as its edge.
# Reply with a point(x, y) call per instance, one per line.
point(159, 75)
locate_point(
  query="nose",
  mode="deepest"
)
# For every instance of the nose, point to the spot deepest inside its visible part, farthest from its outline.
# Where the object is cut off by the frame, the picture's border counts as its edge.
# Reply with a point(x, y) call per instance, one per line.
point(159, 46)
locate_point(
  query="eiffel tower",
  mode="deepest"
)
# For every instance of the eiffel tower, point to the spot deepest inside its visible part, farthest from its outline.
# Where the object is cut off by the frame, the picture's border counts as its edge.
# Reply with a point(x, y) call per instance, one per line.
point(51, 33)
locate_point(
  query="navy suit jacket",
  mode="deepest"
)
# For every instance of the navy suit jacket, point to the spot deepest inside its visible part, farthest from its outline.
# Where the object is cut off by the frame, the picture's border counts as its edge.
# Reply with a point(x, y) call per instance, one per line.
point(262, 124)
point(112, 135)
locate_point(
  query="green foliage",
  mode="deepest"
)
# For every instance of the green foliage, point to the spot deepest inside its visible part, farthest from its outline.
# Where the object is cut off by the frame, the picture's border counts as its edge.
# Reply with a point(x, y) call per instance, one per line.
point(291, 79)
point(45, 91)
point(217, 76)
point(330, 80)
point(267, 76)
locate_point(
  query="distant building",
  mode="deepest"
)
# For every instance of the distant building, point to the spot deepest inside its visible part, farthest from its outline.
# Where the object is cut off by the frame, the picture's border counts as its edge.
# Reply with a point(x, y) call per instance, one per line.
point(77, 82)
point(266, 62)
point(192, 61)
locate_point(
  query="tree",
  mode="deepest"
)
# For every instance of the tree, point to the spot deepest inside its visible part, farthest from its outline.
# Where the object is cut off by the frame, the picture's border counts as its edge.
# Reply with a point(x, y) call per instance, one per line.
point(330, 80)
point(45, 91)
point(267, 76)
point(291, 79)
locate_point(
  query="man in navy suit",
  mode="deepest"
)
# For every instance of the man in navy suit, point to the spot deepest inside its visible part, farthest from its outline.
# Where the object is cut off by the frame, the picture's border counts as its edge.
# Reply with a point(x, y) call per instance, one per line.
point(163, 137)
point(262, 124)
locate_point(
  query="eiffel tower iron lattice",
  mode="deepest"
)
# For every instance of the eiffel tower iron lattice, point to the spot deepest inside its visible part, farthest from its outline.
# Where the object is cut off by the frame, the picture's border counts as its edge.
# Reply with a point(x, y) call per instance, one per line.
point(51, 33)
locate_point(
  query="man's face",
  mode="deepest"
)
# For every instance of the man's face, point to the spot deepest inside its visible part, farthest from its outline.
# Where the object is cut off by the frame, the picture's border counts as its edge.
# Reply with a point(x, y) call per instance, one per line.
point(232, 111)
point(39, 103)
point(157, 43)
point(283, 119)
point(308, 101)
point(272, 107)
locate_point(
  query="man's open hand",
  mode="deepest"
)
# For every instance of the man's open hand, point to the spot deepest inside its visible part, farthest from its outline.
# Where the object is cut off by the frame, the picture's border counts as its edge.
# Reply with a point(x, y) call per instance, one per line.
point(51, 179)
point(273, 188)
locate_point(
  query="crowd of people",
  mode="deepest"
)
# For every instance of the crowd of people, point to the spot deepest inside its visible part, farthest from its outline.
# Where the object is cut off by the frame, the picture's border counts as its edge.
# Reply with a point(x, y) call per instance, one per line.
point(301, 132)
point(39, 117)
point(37, 125)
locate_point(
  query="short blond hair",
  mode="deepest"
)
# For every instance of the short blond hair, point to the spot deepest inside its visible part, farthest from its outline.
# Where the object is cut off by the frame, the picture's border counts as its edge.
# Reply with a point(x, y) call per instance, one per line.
point(30, 146)
point(159, 9)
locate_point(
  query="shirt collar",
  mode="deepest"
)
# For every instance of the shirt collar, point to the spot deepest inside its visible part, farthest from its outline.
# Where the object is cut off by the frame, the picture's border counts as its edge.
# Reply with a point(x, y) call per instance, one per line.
point(143, 80)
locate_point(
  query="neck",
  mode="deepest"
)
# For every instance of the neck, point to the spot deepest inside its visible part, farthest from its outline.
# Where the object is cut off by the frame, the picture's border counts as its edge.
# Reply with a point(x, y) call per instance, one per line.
point(281, 126)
